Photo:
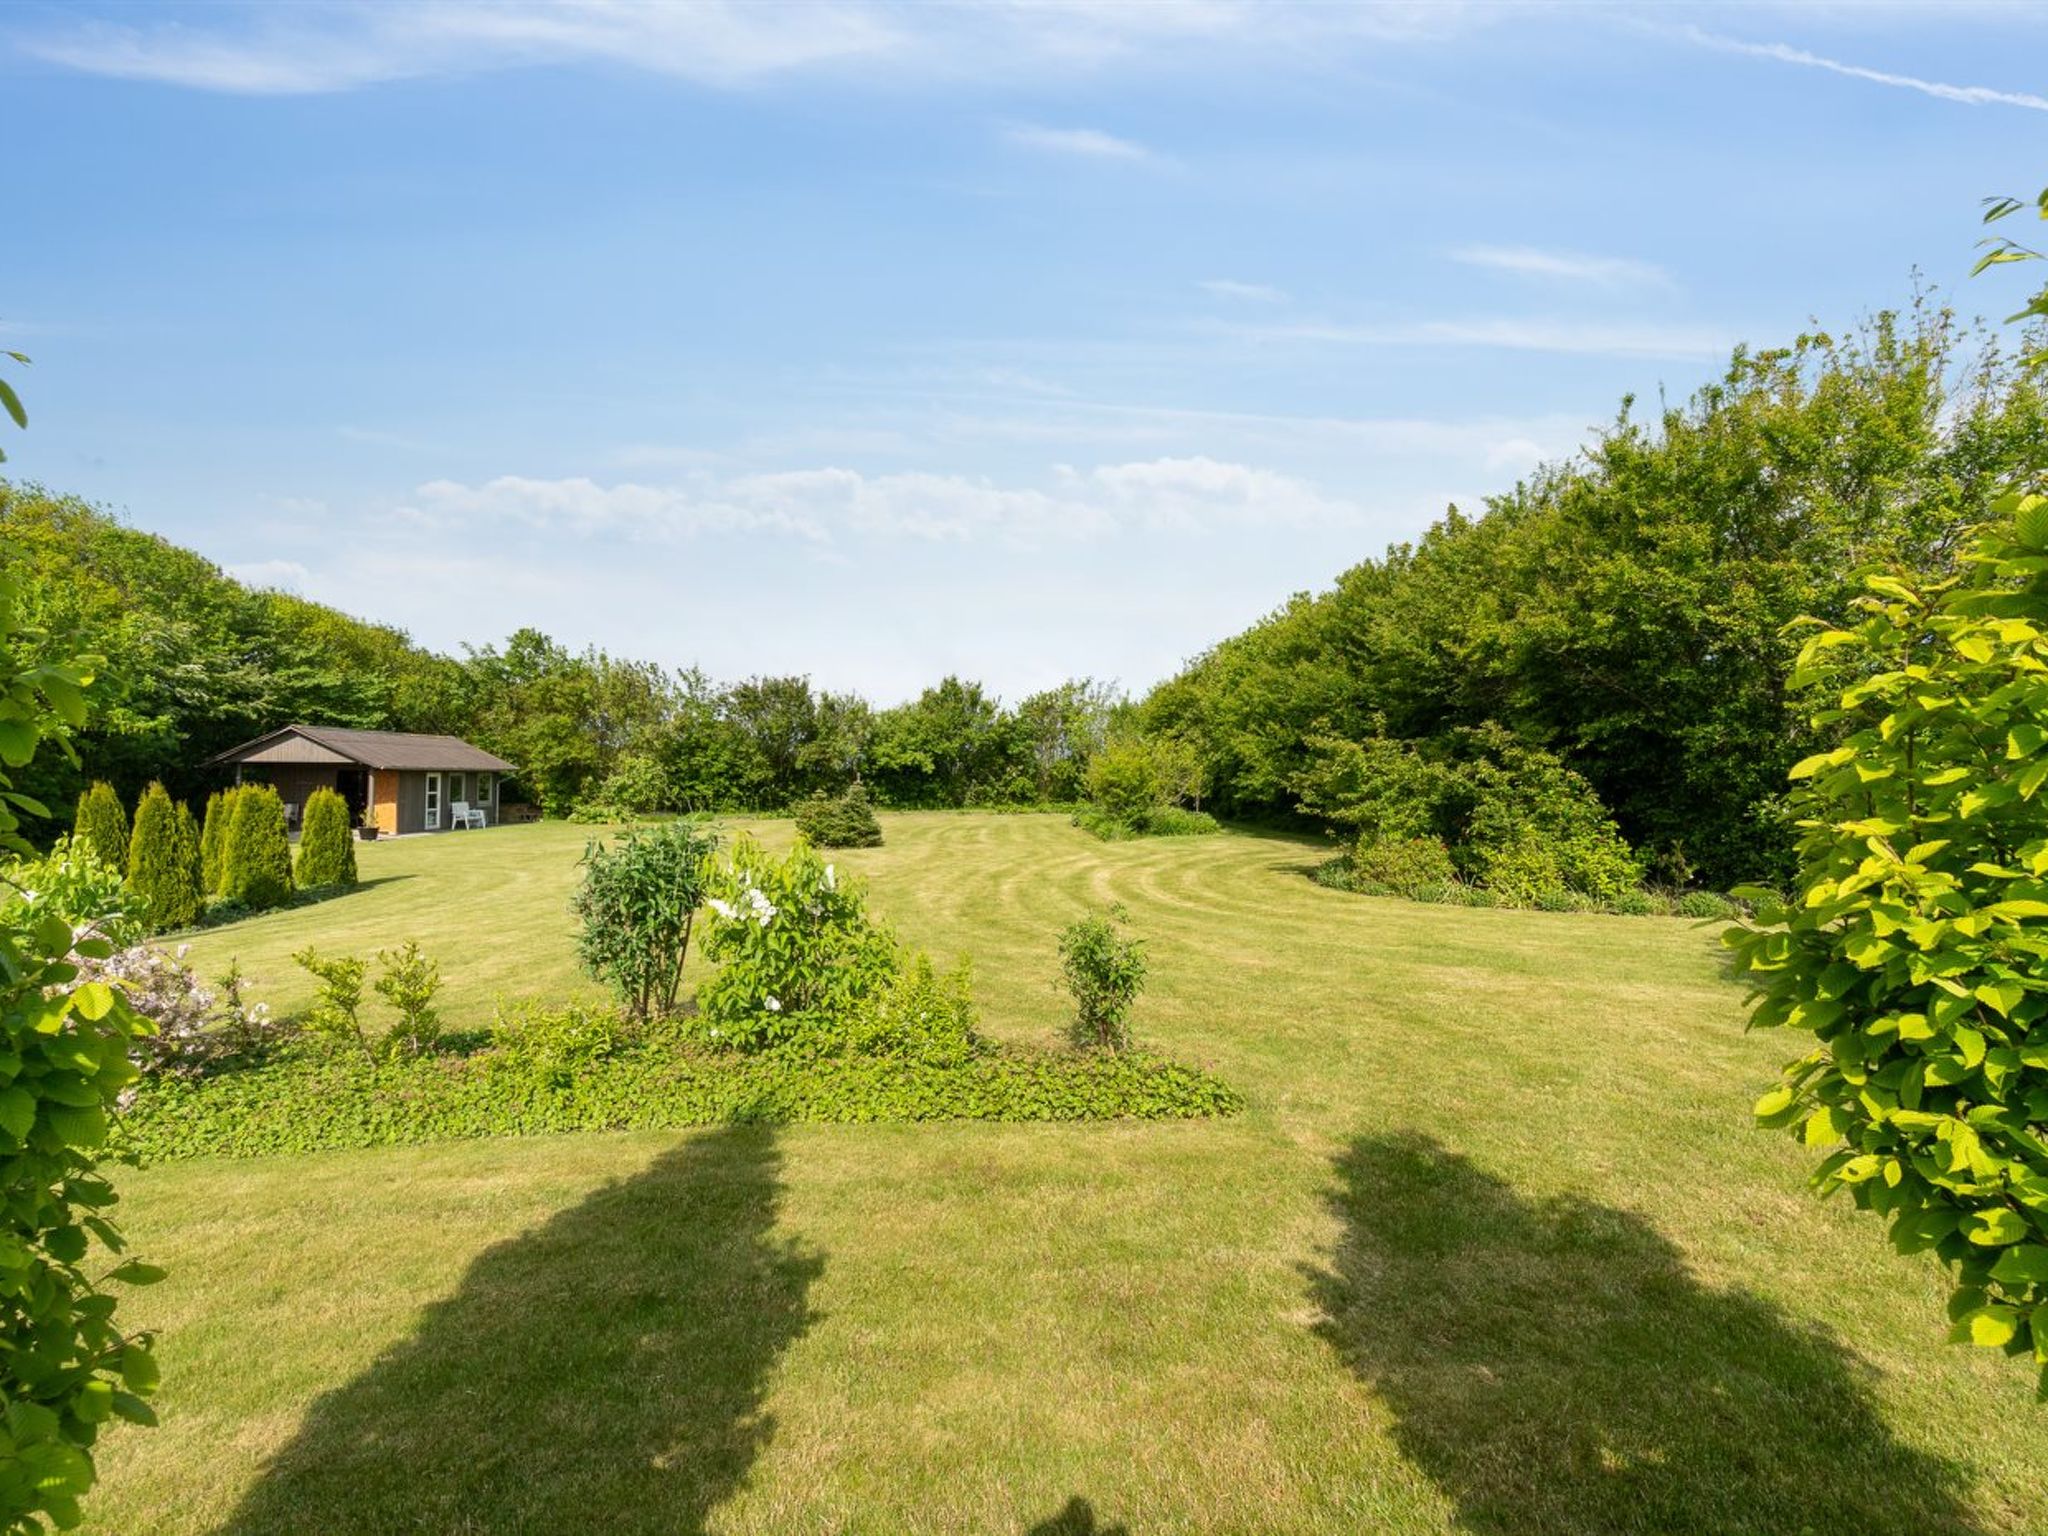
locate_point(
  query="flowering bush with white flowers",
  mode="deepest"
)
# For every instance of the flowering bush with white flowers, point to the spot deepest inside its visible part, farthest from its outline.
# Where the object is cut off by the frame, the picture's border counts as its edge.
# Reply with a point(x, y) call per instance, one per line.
point(796, 948)
point(199, 1029)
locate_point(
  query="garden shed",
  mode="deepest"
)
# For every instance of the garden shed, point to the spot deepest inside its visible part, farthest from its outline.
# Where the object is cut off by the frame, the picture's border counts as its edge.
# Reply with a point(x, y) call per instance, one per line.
point(409, 783)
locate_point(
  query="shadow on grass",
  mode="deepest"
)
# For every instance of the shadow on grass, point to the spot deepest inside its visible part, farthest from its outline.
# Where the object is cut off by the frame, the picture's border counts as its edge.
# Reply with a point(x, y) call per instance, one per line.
point(605, 1371)
point(1077, 1518)
point(222, 915)
point(1553, 1367)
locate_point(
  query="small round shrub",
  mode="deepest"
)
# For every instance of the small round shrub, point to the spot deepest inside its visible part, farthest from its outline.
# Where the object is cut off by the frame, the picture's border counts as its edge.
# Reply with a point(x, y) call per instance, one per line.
point(845, 821)
point(327, 846)
point(1402, 867)
point(256, 860)
point(1178, 821)
point(1641, 903)
point(102, 826)
point(1708, 904)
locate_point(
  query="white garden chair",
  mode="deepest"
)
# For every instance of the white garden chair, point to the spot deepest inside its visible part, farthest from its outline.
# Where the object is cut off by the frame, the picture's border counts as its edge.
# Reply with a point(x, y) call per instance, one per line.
point(467, 815)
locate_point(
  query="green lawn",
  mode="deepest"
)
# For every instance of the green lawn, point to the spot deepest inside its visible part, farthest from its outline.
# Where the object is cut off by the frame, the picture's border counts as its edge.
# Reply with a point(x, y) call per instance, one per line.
point(1494, 1249)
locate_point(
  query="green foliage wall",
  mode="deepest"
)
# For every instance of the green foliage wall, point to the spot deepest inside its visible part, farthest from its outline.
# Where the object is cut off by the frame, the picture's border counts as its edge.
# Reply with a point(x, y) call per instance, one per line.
point(256, 856)
point(1624, 609)
point(161, 879)
point(327, 845)
point(102, 825)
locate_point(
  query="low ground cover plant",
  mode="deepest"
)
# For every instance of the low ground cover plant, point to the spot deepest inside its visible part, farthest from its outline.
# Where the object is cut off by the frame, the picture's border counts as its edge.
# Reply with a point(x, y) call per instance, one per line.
point(839, 821)
point(579, 1070)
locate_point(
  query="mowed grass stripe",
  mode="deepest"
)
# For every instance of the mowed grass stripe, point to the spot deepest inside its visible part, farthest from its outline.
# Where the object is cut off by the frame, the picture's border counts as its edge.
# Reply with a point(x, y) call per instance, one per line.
point(1494, 1248)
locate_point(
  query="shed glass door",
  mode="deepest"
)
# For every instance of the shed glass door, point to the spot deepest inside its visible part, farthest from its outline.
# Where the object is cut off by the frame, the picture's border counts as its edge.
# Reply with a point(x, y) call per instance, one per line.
point(433, 816)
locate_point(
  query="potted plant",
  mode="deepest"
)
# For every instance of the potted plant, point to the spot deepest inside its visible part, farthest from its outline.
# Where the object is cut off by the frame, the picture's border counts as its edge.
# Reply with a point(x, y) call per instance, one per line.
point(366, 824)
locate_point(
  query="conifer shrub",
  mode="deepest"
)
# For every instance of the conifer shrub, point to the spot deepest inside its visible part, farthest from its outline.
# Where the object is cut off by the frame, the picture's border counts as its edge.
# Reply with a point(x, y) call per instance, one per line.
point(102, 826)
point(160, 884)
point(213, 837)
point(843, 821)
point(188, 857)
point(256, 859)
point(327, 847)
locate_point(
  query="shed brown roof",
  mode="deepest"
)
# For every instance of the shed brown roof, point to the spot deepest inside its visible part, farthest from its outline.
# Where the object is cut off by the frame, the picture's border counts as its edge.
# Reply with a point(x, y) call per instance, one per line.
point(367, 749)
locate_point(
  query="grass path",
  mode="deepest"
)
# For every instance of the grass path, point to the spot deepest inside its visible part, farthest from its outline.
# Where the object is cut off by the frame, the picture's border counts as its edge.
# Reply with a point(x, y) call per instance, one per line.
point(1493, 1250)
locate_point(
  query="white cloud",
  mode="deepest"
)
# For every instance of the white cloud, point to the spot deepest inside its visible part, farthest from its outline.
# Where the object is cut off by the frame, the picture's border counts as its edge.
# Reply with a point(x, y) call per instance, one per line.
point(1600, 338)
point(1250, 293)
point(823, 506)
point(1968, 95)
point(1089, 143)
point(318, 47)
point(1570, 266)
point(279, 575)
point(327, 45)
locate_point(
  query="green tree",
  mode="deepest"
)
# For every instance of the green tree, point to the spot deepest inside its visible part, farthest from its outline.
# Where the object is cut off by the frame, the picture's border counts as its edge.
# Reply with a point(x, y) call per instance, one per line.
point(256, 858)
point(102, 825)
point(159, 874)
point(327, 848)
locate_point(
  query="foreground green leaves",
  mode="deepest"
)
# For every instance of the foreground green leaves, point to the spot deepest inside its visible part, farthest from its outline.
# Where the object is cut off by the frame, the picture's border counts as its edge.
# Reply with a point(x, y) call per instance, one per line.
point(1913, 951)
point(66, 1367)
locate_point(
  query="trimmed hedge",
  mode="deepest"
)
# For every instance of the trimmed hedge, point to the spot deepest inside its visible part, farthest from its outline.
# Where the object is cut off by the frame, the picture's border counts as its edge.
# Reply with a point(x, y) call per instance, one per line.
point(312, 1101)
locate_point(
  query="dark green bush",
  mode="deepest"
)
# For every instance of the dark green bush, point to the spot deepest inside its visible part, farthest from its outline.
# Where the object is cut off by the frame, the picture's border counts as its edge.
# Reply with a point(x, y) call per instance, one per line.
point(845, 821)
point(327, 844)
point(637, 903)
point(102, 826)
point(161, 883)
point(578, 1071)
point(256, 858)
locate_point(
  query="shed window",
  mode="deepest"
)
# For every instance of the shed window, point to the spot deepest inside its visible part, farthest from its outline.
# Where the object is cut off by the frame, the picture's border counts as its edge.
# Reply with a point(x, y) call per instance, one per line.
point(483, 789)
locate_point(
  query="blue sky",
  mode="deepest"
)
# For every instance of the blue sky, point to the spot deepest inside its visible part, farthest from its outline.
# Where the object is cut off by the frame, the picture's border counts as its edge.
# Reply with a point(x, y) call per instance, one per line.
point(880, 341)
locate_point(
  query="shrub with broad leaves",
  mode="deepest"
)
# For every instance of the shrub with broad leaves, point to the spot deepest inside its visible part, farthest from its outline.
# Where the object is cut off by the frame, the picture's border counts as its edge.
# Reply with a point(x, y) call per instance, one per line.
point(1915, 949)
point(1105, 971)
point(68, 1365)
point(796, 948)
